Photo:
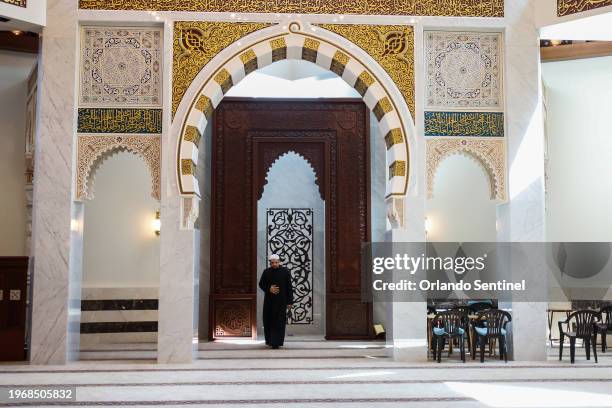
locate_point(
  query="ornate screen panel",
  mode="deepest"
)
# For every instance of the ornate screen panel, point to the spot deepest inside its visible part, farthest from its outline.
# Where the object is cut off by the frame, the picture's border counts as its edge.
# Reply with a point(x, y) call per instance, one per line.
point(289, 234)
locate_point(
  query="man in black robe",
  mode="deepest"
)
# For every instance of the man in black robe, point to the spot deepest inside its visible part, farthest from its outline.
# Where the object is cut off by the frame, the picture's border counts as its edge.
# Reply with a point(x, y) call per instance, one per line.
point(276, 283)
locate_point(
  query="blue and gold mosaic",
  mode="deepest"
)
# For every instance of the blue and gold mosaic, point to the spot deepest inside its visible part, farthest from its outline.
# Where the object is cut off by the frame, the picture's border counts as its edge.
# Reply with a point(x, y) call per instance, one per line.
point(464, 124)
point(125, 120)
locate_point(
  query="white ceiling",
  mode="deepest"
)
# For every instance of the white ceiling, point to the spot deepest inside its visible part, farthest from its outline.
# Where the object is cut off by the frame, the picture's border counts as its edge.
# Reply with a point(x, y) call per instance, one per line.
point(595, 28)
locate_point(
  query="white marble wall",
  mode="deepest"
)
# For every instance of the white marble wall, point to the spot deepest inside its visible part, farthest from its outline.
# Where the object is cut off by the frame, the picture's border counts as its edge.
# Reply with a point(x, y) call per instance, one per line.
point(522, 218)
point(57, 272)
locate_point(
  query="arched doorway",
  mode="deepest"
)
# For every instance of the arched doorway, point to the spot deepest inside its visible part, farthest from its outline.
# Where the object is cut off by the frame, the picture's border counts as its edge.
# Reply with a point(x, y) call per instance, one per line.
point(391, 116)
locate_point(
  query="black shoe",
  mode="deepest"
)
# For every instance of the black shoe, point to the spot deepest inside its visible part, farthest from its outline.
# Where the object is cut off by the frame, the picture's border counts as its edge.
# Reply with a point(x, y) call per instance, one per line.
point(275, 347)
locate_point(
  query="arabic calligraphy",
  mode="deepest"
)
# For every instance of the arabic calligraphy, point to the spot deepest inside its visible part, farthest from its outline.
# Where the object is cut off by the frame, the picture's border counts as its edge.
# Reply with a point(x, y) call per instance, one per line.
point(113, 120)
point(451, 8)
point(19, 3)
point(567, 7)
point(475, 124)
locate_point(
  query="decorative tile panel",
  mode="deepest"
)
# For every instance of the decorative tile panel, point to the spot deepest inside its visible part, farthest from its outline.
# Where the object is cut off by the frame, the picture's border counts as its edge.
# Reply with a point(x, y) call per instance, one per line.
point(124, 120)
point(480, 124)
point(195, 44)
point(392, 46)
point(567, 7)
point(121, 66)
point(19, 3)
point(458, 8)
point(464, 70)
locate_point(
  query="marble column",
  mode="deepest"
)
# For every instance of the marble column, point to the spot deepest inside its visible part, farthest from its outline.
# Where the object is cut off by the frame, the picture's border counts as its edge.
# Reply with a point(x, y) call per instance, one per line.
point(178, 290)
point(178, 280)
point(57, 222)
point(522, 218)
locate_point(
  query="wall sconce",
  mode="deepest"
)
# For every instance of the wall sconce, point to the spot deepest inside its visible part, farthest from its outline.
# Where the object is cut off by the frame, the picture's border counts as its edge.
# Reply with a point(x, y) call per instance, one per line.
point(427, 225)
point(157, 223)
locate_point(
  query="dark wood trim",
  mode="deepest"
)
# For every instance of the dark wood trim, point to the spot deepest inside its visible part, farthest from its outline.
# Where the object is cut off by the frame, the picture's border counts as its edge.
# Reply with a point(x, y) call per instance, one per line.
point(576, 51)
point(25, 42)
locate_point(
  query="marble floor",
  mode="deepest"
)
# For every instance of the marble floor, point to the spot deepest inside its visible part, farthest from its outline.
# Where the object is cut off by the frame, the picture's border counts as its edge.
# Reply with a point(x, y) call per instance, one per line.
point(315, 374)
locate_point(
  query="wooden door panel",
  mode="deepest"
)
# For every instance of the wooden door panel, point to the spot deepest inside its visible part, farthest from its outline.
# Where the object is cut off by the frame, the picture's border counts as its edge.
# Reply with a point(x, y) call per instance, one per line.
point(13, 286)
point(248, 136)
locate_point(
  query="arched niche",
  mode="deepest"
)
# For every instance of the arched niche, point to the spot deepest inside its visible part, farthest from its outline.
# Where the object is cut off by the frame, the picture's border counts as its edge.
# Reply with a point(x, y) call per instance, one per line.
point(93, 150)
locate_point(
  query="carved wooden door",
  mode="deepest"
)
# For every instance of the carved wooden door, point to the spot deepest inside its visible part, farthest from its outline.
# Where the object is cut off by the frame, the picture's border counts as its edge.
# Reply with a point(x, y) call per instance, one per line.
point(13, 284)
point(248, 136)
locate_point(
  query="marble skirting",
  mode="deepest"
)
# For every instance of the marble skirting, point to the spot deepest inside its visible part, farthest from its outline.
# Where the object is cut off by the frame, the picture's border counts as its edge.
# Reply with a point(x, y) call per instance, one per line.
point(119, 315)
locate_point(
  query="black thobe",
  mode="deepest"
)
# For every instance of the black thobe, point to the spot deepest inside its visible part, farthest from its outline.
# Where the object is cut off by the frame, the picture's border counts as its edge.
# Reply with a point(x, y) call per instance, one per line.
point(275, 306)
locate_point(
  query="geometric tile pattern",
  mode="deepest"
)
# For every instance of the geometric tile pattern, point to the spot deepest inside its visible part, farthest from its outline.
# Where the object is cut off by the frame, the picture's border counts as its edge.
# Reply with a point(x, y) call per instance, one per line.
point(567, 7)
point(475, 124)
point(459, 8)
point(463, 70)
point(119, 120)
point(121, 66)
point(392, 46)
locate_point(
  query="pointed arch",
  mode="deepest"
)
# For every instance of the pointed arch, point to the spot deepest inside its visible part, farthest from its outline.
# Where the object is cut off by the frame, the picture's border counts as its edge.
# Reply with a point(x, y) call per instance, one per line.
point(93, 150)
point(489, 153)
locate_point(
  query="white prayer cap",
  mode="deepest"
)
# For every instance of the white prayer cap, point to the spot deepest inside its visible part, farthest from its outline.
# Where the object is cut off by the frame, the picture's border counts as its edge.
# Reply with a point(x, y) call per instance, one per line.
point(274, 257)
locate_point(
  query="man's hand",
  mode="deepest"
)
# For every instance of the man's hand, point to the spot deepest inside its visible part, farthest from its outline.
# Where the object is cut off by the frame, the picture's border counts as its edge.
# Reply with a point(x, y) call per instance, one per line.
point(289, 307)
point(274, 289)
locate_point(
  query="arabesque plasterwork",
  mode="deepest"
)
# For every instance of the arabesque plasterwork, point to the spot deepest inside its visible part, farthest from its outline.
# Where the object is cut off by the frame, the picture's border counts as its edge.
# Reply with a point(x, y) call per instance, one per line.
point(490, 153)
point(93, 149)
point(392, 46)
point(198, 42)
point(451, 8)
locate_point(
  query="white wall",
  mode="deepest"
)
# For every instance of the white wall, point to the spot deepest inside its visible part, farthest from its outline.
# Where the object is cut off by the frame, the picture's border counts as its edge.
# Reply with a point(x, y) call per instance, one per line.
point(14, 71)
point(579, 191)
point(120, 245)
point(461, 209)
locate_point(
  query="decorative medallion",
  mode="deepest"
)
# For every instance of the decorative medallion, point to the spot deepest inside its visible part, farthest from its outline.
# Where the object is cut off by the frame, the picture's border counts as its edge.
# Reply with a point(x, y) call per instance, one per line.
point(289, 235)
point(121, 66)
point(464, 70)
point(20, 3)
point(122, 120)
point(232, 318)
point(567, 7)
point(91, 149)
point(490, 153)
point(392, 46)
point(455, 8)
point(480, 124)
point(195, 44)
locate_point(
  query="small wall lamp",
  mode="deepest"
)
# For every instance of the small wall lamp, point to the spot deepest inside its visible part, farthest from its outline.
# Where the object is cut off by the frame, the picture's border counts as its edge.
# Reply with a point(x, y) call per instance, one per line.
point(157, 223)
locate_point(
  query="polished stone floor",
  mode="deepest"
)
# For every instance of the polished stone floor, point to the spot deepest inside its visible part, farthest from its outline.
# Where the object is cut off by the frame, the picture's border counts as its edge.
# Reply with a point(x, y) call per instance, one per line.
point(317, 374)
